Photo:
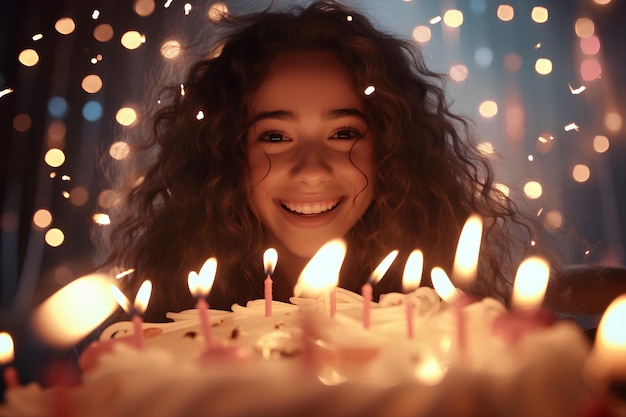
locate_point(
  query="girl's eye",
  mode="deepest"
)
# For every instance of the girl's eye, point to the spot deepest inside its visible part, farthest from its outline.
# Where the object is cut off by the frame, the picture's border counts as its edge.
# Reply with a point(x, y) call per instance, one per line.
point(273, 136)
point(347, 134)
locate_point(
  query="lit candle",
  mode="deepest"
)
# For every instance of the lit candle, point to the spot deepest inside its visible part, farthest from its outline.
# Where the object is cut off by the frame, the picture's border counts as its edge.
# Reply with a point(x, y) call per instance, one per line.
point(141, 303)
point(411, 279)
point(11, 379)
point(607, 361)
point(200, 285)
point(367, 288)
point(446, 290)
point(74, 311)
point(321, 274)
point(270, 258)
point(467, 251)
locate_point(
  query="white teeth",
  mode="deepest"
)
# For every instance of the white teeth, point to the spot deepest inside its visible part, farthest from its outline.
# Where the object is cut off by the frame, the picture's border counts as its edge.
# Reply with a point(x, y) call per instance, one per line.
point(316, 207)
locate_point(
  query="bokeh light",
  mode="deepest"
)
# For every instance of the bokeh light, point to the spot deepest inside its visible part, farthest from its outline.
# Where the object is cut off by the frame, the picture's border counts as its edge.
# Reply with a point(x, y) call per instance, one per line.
point(144, 7)
point(217, 12)
point(581, 173)
point(486, 148)
point(584, 27)
point(132, 39)
point(543, 66)
point(590, 45)
point(56, 134)
point(28, 57)
point(505, 12)
point(601, 143)
point(422, 34)
point(126, 116)
point(539, 14)
point(590, 69)
point(92, 111)
point(533, 190)
point(512, 62)
point(54, 157)
point(57, 107)
point(42, 218)
point(92, 83)
point(22, 122)
point(65, 25)
point(54, 237)
point(488, 109)
point(483, 57)
point(453, 18)
point(119, 150)
point(170, 49)
point(458, 72)
point(103, 32)
point(613, 121)
point(553, 220)
point(79, 196)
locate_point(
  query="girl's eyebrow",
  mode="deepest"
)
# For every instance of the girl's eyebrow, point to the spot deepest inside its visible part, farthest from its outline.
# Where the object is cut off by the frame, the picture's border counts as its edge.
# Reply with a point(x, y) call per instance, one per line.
point(289, 115)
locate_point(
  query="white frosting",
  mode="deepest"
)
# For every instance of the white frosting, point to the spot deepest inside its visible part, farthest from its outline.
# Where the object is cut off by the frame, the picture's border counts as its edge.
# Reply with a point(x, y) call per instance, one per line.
point(301, 361)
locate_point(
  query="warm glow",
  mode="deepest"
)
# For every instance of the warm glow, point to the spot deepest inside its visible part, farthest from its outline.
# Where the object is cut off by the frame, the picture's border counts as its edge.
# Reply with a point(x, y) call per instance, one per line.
point(54, 157)
point(553, 220)
point(458, 72)
point(321, 273)
point(584, 27)
point(120, 298)
point(530, 284)
point(503, 188)
point(609, 350)
point(7, 349)
point(65, 25)
point(92, 83)
point(54, 237)
point(74, 311)
point(144, 7)
point(132, 39)
point(28, 57)
point(382, 268)
point(430, 371)
point(126, 116)
point(505, 12)
point(543, 66)
point(468, 248)
point(486, 148)
point(119, 150)
point(442, 284)
point(101, 219)
point(42, 218)
point(143, 297)
point(453, 18)
point(602, 2)
point(581, 173)
point(590, 69)
point(170, 49)
point(103, 32)
point(613, 122)
point(533, 190)
point(422, 34)
point(590, 45)
point(488, 109)
point(412, 276)
point(539, 14)
point(217, 12)
point(601, 144)
point(270, 258)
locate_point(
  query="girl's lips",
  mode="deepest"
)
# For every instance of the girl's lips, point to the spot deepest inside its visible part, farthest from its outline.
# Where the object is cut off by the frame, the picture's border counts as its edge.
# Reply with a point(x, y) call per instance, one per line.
point(309, 208)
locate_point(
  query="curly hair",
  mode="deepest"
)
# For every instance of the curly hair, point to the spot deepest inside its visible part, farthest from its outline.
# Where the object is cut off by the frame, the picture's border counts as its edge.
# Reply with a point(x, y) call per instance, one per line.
point(186, 198)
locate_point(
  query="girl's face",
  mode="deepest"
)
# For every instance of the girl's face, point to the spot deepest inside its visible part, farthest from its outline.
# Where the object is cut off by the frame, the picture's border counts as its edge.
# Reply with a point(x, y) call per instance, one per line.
point(310, 153)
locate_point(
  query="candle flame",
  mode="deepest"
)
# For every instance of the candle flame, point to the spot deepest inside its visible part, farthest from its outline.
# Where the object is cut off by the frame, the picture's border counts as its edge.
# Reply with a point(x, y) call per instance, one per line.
point(270, 258)
point(120, 298)
point(322, 272)
point(608, 358)
point(531, 281)
point(6, 348)
point(413, 268)
point(75, 310)
point(206, 276)
point(382, 267)
point(143, 296)
point(443, 285)
point(468, 248)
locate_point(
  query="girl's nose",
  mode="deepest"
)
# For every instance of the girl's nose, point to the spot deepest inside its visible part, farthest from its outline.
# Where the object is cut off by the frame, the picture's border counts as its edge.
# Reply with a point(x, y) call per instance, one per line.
point(312, 165)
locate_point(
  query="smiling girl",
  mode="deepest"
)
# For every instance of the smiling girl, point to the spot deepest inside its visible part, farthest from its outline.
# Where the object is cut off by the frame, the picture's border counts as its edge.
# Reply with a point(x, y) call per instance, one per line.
point(293, 152)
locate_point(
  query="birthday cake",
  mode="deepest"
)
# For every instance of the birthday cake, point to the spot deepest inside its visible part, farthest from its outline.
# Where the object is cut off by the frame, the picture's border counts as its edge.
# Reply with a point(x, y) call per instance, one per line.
point(444, 359)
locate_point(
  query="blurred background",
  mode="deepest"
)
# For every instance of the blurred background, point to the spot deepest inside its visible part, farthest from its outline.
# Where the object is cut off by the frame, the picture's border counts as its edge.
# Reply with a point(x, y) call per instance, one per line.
point(543, 80)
